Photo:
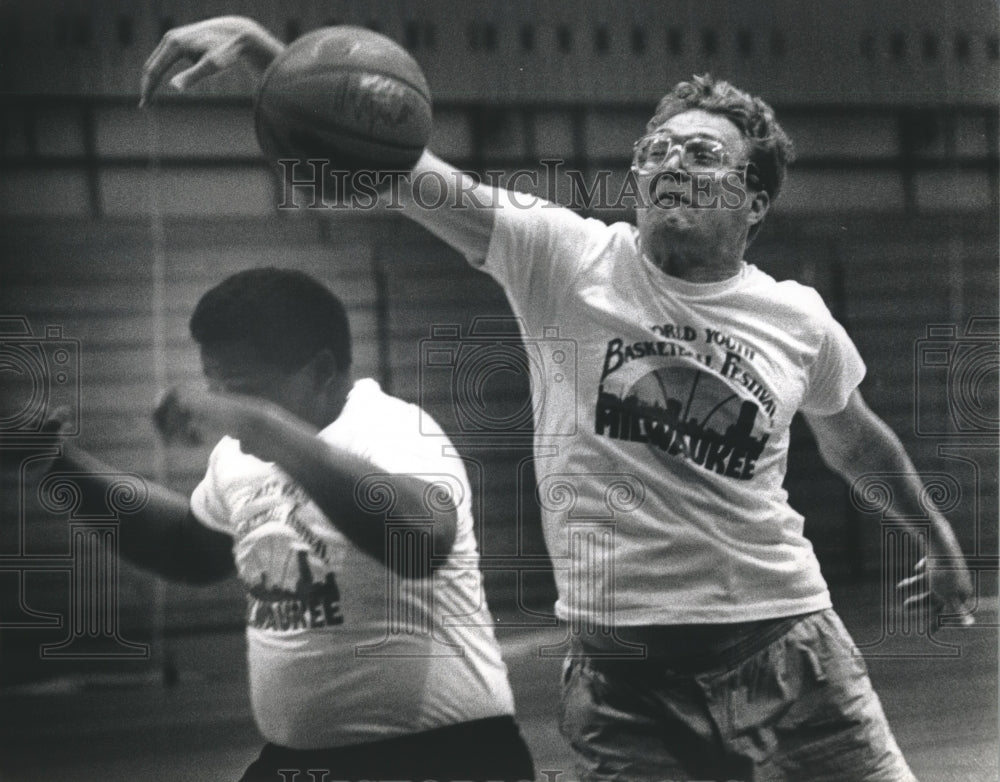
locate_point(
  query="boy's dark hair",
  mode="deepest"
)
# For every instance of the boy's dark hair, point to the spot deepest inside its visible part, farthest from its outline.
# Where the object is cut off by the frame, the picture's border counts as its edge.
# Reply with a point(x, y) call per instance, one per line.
point(770, 148)
point(285, 314)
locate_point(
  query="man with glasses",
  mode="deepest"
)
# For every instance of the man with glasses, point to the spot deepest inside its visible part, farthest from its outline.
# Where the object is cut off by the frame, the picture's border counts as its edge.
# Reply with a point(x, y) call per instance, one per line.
point(704, 644)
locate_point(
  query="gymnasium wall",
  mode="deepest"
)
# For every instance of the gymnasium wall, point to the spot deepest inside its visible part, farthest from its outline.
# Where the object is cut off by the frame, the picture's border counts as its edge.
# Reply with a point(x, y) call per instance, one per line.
point(897, 52)
point(114, 220)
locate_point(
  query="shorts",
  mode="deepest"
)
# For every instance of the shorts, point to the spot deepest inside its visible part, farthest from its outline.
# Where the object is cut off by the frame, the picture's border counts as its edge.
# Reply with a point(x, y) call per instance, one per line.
point(479, 751)
point(798, 707)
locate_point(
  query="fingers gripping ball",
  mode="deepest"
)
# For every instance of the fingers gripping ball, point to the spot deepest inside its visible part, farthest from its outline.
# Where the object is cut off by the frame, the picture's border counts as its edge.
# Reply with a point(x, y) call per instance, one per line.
point(347, 95)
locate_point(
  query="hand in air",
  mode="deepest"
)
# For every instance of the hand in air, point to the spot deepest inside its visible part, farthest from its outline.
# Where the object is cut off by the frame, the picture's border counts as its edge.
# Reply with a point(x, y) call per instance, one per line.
point(190, 415)
point(57, 431)
point(212, 45)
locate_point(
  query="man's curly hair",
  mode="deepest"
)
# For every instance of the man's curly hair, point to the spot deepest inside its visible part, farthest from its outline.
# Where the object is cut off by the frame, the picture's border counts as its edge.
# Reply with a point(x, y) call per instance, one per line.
point(771, 150)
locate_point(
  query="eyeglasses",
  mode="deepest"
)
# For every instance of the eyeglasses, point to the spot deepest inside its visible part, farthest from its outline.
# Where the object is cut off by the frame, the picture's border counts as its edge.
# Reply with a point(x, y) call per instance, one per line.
point(697, 153)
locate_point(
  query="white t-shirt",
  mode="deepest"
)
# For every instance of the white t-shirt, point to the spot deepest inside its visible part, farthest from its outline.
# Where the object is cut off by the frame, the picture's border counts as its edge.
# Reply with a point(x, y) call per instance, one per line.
point(341, 651)
point(662, 433)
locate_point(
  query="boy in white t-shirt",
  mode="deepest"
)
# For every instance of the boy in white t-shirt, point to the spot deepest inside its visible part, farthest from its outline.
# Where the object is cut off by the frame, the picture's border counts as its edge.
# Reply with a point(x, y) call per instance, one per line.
point(370, 645)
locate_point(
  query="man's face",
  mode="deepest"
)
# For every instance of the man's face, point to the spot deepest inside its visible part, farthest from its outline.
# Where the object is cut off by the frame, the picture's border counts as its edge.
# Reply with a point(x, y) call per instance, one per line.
point(693, 183)
point(236, 368)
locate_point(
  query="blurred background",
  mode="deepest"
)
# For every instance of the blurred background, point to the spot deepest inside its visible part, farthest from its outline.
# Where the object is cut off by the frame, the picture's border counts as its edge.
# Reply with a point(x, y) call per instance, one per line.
point(115, 220)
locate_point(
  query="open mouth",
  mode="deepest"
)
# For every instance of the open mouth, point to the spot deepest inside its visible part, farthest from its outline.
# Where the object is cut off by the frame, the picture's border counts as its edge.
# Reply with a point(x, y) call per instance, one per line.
point(671, 199)
point(670, 190)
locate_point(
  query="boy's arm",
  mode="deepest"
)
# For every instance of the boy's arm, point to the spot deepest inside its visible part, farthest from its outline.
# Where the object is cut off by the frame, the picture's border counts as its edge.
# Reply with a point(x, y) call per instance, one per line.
point(855, 442)
point(163, 535)
point(334, 478)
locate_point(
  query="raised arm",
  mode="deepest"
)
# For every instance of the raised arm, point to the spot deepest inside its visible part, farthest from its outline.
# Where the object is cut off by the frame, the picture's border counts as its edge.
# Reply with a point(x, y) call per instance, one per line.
point(447, 202)
point(331, 476)
point(856, 442)
point(450, 204)
point(210, 46)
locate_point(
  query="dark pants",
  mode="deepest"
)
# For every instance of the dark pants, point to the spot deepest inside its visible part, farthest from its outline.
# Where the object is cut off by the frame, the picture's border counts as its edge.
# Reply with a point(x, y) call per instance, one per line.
point(480, 751)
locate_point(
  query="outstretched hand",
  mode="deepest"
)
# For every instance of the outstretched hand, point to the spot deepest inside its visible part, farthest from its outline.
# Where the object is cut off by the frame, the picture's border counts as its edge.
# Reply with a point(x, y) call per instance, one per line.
point(212, 45)
point(949, 590)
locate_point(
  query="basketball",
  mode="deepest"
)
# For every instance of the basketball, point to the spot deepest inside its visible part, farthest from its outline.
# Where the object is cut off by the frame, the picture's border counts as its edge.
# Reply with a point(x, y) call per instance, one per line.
point(347, 95)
